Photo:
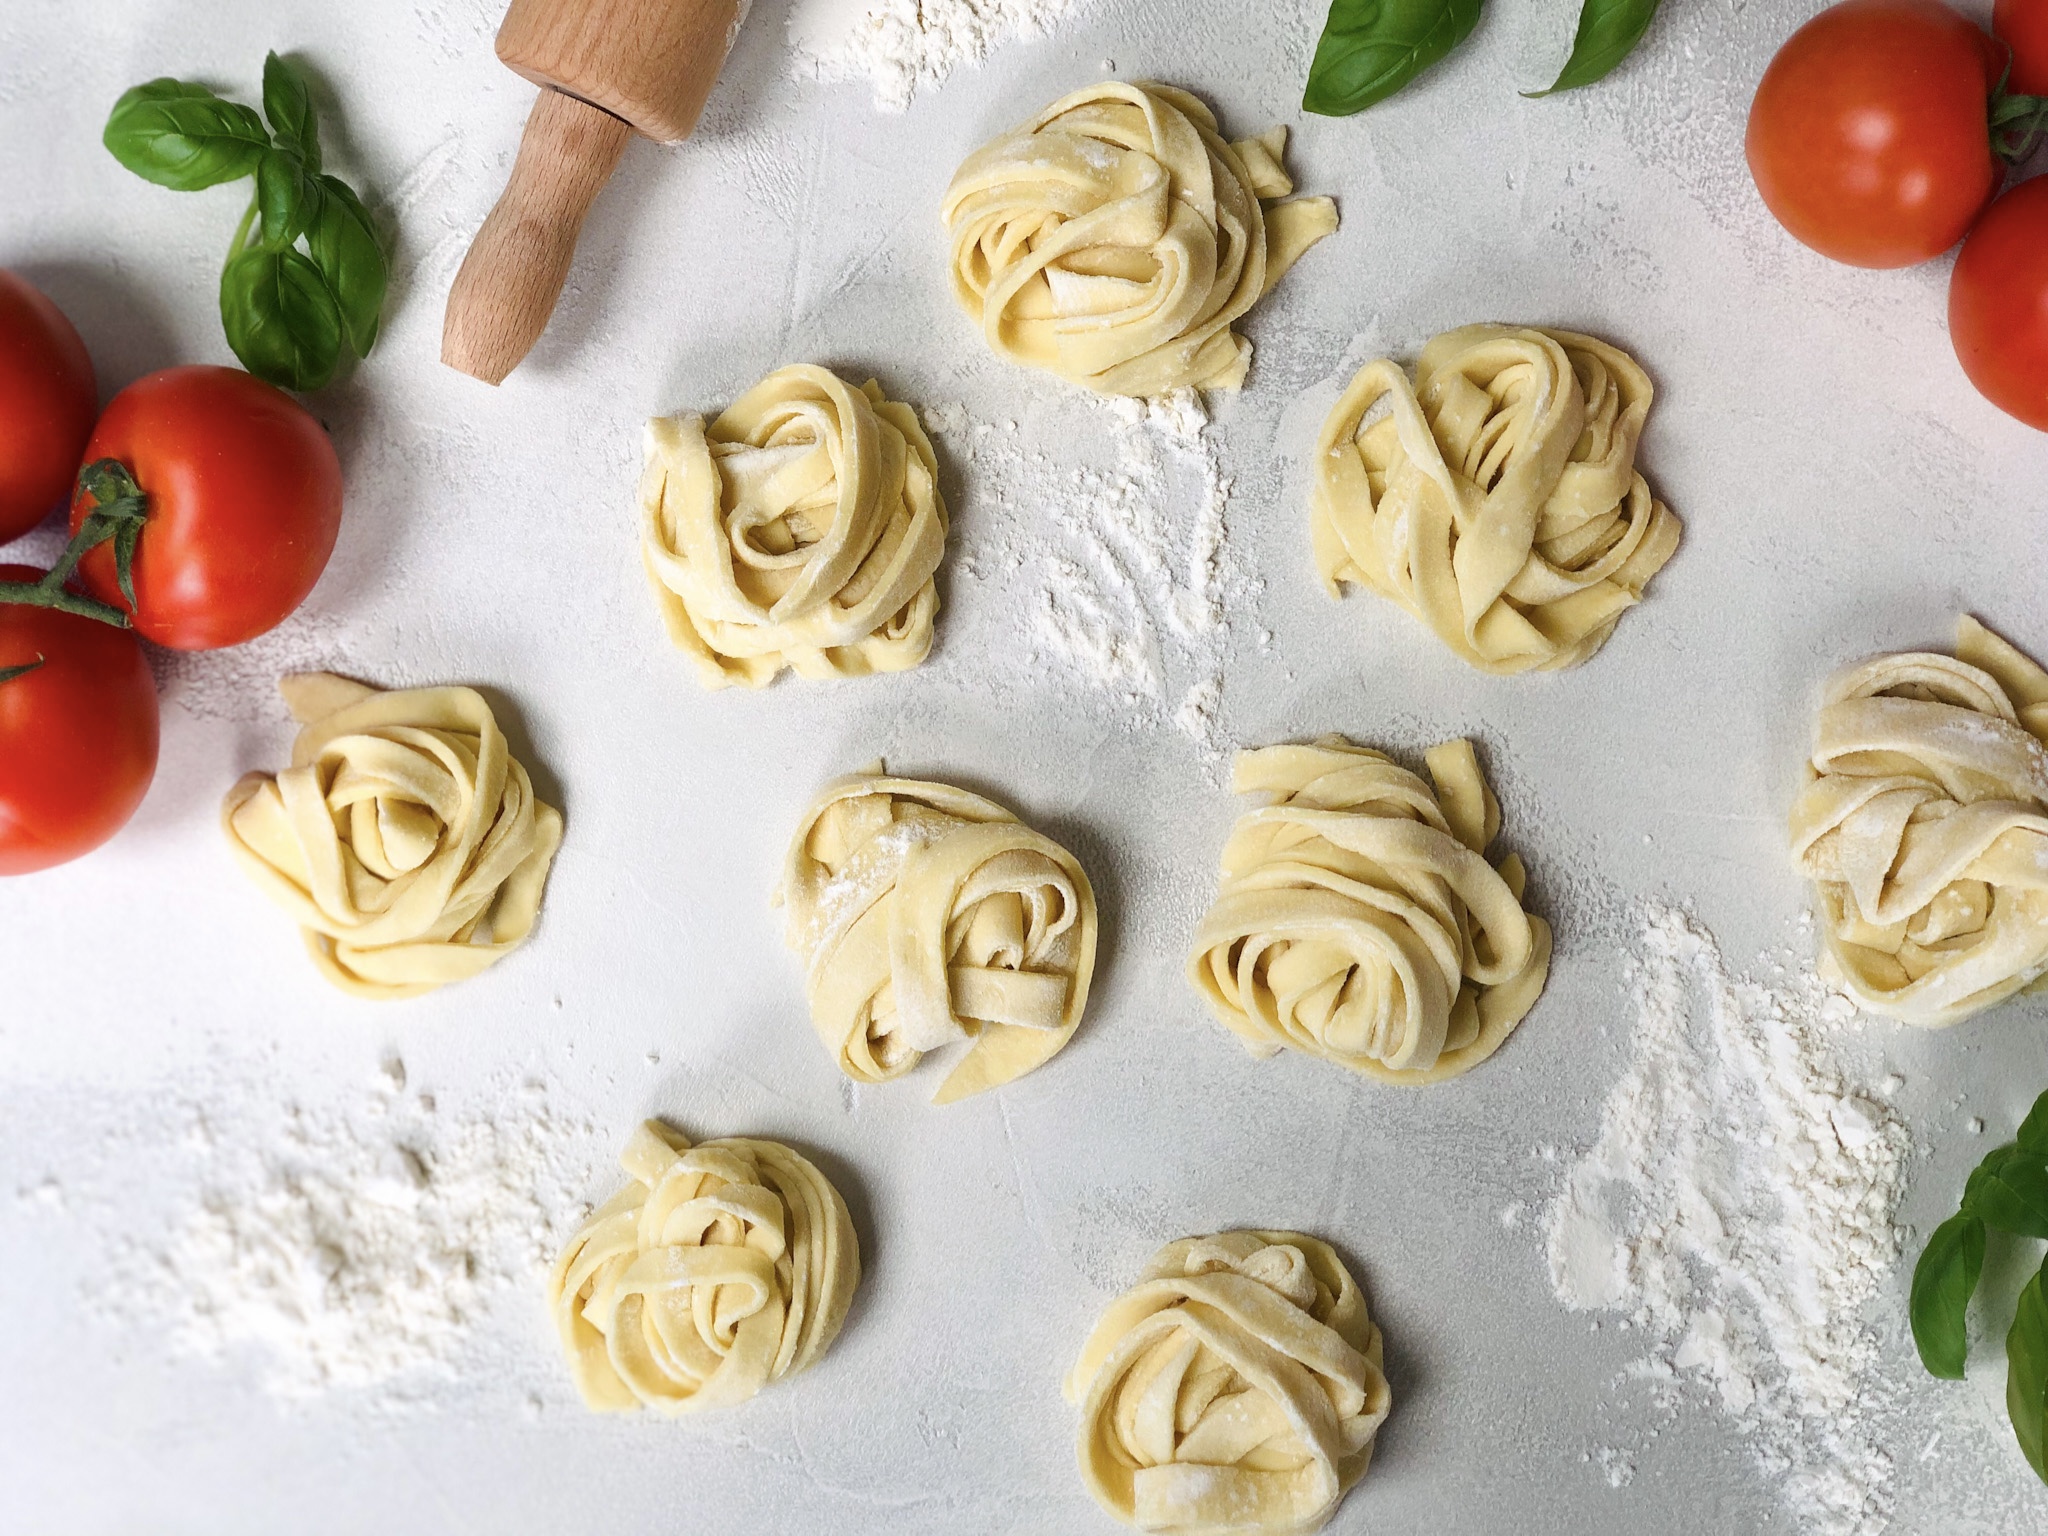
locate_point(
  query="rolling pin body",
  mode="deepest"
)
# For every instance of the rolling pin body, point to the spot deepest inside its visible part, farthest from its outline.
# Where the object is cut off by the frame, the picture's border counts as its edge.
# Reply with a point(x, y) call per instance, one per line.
point(607, 69)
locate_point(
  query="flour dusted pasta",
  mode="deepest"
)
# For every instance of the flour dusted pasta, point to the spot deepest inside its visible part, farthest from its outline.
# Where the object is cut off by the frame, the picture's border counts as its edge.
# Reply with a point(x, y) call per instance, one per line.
point(1496, 499)
point(1359, 920)
point(800, 529)
point(1924, 827)
point(1117, 237)
point(1236, 1388)
point(928, 916)
point(404, 839)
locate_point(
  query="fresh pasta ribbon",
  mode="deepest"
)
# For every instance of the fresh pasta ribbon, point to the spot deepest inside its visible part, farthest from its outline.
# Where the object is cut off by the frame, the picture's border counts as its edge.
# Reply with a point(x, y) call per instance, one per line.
point(1358, 919)
point(1116, 238)
point(1924, 828)
point(801, 529)
point(1236, 1388)
point(927, 916)
point(721, 1268)
point(1496, 500)
point(404, 838)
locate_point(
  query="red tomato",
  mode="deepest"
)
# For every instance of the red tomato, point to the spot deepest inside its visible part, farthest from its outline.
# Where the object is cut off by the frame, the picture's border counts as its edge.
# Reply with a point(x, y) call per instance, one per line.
point(48, 398)
point(77, 734)
point(2022, 25)
point(1998, 303)
point(1868, 135)
point(244, 502)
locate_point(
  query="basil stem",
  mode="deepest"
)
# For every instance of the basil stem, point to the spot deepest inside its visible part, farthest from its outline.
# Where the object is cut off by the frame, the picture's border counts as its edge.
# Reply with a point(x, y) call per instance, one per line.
point(1608, 32)
point(1372, 48)
point(1943, 1282)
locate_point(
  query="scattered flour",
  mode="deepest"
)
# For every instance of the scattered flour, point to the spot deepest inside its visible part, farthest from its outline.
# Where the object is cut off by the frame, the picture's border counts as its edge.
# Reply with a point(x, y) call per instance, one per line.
point(359, 1245)
point(1738, 1208)
point(899, 47)
point(1125, 571)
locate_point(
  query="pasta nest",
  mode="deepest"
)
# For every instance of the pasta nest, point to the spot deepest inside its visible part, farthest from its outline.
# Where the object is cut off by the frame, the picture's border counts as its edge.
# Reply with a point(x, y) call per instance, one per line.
point(1358, 919)
point(404, 838)
point(801, 529)
point(1924, 827)
point(1236, 1387)
point(927, 916)
point(1498, 499)
point(720, 1268)
point(1116, 237)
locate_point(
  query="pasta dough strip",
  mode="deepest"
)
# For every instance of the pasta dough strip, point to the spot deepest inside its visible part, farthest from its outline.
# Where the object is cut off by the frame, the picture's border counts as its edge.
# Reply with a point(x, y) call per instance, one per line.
point(404, 838)
point(1924, 827)
point(719, 1269)
point(929, 916)
point(1497, 498)
point(800, 530)
point(1116, 238)
point(1359, 920)
point(1236, 1388)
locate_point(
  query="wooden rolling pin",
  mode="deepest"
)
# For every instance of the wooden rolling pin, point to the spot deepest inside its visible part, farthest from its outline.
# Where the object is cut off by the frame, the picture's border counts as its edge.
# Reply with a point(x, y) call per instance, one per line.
point(607, 69)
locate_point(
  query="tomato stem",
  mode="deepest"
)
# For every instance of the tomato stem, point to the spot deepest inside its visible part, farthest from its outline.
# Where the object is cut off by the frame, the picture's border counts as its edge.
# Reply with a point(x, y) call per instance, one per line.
point(9, 674)
point(2017, 120)
point(41, 594)
point(118, 513)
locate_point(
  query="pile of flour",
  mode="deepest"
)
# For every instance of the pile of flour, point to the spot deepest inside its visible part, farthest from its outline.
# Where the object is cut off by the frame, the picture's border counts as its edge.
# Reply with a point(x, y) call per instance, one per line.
point(1737, 1208)
point(898, 47)
point(359, 1245)
point(1123, 570)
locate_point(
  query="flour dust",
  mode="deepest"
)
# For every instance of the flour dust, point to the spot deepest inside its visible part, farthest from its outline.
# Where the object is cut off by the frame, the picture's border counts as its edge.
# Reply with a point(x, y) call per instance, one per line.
point(900, 47)
point(1737, 1210)
point(1120, 561)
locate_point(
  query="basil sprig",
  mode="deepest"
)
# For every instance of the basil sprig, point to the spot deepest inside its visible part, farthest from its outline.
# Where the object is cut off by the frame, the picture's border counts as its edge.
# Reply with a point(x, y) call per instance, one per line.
point(2009, 1191)
point(306, 273)
point(1372, 48)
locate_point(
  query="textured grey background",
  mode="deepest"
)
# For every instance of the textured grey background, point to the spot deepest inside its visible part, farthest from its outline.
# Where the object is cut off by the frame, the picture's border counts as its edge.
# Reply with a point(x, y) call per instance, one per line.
point(1843, 491)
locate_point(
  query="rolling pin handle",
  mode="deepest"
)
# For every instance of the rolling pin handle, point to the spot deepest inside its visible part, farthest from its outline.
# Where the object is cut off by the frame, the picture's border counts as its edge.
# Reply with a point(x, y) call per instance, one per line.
point(513, 274)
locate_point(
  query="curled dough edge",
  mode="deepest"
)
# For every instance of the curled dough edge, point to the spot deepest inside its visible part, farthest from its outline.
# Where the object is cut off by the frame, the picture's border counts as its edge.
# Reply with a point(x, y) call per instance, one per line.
point(927, 915)
point(1358, 920)
point(402, 830)
point(1923, 825)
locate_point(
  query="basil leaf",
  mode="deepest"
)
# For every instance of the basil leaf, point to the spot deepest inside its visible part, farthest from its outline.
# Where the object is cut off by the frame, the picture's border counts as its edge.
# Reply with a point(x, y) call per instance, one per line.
point(286, 196)
point(2026, 1379)
point(2009, 1189)
point(289, 106)
point(1608, 32)
point(183, 136)
point(1372, 48)
point(1943, 1282)
point(345, 248)
point(2034, 1129)
point(280, 318)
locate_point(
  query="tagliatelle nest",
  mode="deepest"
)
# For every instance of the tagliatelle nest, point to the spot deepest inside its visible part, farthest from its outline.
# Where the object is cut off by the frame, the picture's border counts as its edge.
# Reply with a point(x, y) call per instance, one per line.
point(1924, 827)
point(1236, 1388)
point(1117, 237)
point(1358, 919)
point(404, 838)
